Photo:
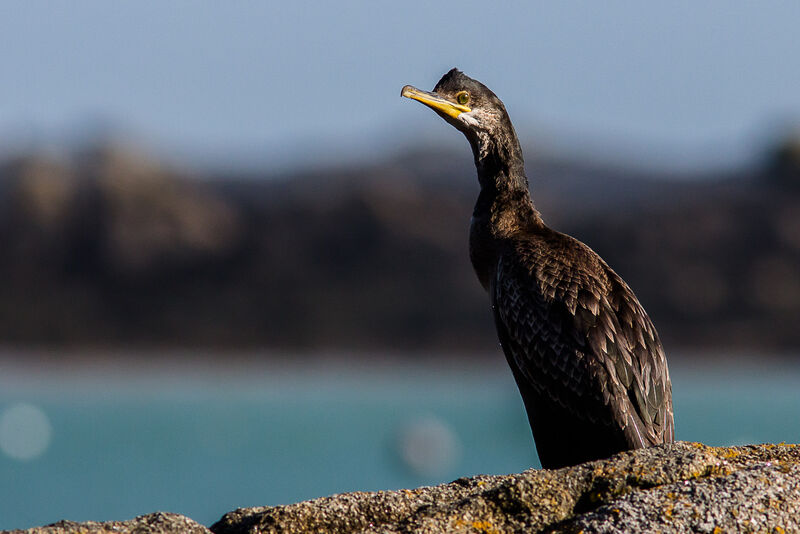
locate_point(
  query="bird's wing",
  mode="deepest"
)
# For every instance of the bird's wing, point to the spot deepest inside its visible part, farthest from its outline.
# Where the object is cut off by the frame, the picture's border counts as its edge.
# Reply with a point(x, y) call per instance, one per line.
point(648, 386)
point(580, 338)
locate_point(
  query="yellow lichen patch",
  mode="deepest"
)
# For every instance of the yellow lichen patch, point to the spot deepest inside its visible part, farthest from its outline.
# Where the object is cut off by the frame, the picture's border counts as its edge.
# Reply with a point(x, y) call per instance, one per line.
point(713, 470)
point(604, 471)
point(481, 483)
point(484, 526)
point(667, 511)
point(716, 530)
point(479, 525)
point(730, 453)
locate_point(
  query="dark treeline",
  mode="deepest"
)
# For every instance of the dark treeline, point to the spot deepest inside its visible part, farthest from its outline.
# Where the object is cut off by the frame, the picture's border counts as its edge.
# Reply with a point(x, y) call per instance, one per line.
point(109, 248)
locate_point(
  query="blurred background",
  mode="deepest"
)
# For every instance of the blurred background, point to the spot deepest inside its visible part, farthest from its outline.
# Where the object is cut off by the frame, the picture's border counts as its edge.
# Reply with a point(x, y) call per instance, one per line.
point(233, 261)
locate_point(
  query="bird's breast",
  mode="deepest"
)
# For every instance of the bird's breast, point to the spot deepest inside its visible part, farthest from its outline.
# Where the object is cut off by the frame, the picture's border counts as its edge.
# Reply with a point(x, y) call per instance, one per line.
point(482, 250)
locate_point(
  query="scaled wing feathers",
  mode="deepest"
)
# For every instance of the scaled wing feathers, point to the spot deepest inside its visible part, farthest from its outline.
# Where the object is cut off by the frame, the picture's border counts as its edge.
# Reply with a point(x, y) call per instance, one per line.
point(578, 335)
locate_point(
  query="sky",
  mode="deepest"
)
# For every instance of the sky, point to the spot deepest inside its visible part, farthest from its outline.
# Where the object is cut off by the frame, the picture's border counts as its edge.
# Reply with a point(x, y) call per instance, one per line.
point(680, 83)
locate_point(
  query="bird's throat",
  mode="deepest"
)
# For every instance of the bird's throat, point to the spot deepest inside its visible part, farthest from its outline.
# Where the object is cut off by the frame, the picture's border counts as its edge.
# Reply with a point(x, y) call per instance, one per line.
point(499, 161)
point(501, 174)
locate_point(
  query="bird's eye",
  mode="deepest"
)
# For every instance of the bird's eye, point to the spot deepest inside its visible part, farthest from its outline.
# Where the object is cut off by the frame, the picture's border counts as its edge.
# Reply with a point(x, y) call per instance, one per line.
point(462, 98)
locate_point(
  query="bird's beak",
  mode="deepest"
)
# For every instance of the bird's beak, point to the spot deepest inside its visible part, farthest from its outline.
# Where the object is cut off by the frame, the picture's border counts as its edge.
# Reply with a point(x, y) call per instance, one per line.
point(434, 101)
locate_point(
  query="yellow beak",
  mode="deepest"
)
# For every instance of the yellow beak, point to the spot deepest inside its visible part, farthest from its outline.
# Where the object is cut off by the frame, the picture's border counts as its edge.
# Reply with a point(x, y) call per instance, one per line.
point(434, 101)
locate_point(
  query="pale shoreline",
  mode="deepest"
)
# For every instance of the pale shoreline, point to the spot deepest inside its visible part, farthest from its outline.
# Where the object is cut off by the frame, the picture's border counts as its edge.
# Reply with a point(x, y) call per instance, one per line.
point(128, 366)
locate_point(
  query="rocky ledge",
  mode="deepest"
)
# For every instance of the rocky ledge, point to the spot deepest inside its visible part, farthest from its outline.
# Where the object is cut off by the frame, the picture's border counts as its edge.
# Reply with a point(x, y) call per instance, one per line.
point(682, 487)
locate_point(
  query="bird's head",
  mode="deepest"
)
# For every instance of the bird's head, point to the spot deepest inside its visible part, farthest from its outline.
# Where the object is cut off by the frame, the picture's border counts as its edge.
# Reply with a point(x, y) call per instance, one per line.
point(473, 109)
point(465, 103)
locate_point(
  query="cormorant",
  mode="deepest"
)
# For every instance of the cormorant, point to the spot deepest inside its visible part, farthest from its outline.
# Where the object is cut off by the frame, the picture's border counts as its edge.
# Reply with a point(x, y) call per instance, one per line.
point(586, 357)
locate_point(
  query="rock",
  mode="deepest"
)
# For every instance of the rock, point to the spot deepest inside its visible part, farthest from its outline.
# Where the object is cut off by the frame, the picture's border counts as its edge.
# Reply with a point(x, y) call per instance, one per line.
point(681, 487)
point(156, 523)
point(761, 498)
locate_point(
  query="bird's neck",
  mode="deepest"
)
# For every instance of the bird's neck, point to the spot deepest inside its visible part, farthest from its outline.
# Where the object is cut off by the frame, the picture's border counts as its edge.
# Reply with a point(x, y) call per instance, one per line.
point(504, 208)
point(498, 158)
point(504, 201)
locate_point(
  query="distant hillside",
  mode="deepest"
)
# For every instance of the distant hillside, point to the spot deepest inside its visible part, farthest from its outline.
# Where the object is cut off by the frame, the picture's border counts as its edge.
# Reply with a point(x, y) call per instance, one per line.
point(111, 248)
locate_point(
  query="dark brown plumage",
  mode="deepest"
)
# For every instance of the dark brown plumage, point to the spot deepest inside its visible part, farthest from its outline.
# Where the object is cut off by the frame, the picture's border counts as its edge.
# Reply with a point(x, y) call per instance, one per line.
point(585, 355)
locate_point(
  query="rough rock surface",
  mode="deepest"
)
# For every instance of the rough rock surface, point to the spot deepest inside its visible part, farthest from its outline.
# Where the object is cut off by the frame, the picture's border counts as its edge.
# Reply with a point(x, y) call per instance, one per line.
point(156, 523)
point(681, 487)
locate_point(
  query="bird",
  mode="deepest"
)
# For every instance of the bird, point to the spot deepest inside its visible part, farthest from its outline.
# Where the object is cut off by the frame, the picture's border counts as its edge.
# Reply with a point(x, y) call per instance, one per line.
point(586, 357)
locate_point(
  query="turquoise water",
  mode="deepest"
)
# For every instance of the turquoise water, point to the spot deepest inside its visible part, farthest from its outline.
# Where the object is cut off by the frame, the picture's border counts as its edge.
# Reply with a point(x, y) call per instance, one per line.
point(124, 441)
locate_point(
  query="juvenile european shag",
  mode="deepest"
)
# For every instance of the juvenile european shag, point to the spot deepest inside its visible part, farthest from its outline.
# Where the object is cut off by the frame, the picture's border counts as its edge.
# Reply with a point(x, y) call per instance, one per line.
point(585, 355)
